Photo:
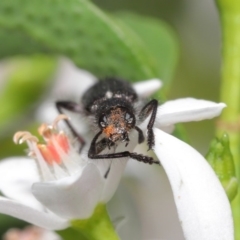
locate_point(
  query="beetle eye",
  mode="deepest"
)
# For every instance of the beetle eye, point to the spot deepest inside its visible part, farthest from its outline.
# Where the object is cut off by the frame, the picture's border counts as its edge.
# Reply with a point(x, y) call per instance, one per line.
point(128, 118)
point(103, 122)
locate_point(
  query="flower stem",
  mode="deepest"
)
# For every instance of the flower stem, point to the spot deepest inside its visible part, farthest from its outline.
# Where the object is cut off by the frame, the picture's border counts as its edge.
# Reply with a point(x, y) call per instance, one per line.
point(230, 88)
point(97, 227)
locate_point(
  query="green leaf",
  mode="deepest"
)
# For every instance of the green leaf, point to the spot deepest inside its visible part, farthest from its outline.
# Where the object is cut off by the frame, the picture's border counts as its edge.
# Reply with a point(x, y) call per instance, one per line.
point(159, 39)
point(77, 29)
point(71, 234)
point(97, 227)
point(23, 88)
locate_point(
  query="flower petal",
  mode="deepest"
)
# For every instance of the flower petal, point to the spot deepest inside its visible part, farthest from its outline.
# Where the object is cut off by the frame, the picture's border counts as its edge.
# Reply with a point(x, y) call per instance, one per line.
point(147, 88)
point(72, 197)
point(113, 179)
point(31, 215)
point(151, 192)
point(16, 178)
point(117, 168)
point(124, 215)
point(186, 110)
point(203, 208)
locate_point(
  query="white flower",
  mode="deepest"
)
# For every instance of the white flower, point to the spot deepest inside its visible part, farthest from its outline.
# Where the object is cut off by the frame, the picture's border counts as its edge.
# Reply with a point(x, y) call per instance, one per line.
point(195, 187)
point(202, 207)
point(66, 185)
point(182, 200)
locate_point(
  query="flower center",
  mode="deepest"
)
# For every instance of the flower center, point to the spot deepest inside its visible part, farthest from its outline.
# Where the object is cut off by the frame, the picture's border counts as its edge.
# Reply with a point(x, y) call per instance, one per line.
point(55, 156)
point(55, 143)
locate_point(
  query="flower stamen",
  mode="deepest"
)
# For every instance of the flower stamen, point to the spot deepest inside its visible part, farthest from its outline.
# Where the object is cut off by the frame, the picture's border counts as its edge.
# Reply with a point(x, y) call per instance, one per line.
point(58, 119)
point(45, 131)
point(24, 136)
point(55, 155)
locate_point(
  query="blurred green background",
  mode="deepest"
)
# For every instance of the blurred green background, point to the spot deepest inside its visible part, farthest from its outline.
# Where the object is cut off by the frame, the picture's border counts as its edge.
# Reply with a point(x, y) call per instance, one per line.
point(195, 28)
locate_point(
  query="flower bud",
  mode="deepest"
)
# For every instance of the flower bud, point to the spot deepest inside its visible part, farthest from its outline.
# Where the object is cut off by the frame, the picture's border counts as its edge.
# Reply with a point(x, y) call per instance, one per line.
point(220, 158)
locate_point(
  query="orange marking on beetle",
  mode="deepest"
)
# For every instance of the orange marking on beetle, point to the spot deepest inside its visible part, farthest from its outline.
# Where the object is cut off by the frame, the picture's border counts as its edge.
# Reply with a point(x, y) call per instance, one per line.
point(109, 130)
